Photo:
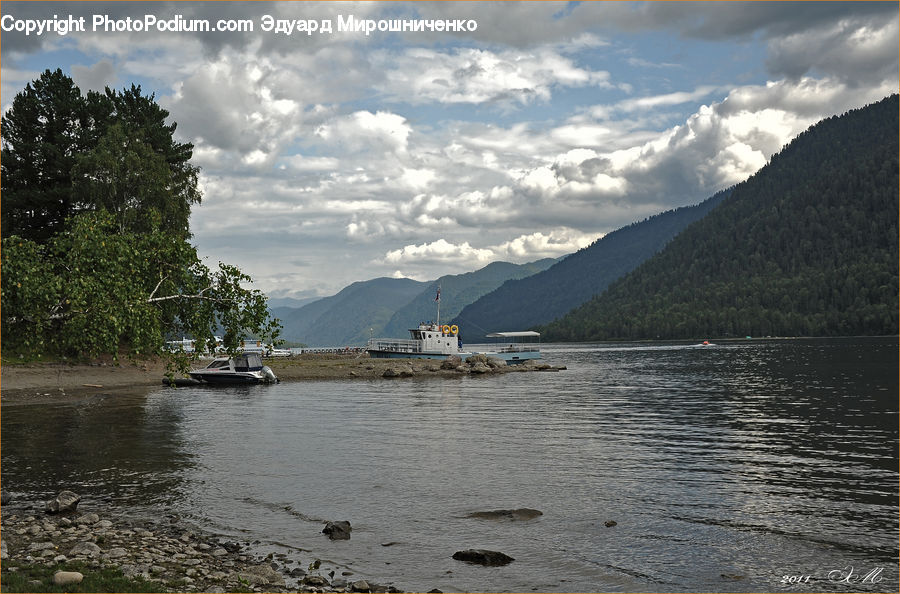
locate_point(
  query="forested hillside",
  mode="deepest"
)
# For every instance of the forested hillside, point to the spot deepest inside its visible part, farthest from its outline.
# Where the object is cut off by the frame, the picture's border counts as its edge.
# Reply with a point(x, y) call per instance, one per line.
point(458, 291)
point(808, 246)
point(537, 299)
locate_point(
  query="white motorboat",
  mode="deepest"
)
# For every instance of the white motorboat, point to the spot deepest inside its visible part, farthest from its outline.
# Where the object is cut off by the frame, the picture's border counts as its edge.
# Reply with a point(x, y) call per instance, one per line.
point(246, 368)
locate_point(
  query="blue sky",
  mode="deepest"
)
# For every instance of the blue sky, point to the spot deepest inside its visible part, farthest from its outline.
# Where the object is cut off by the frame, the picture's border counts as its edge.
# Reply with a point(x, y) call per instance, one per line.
point(340, 157)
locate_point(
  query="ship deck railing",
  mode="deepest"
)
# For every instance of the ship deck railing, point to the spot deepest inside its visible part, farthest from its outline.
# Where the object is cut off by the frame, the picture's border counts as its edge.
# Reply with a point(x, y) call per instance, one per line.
point(394, 345)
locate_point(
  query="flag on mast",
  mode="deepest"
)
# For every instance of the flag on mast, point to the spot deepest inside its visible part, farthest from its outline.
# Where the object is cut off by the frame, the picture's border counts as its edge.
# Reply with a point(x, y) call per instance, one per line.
point(438, 297)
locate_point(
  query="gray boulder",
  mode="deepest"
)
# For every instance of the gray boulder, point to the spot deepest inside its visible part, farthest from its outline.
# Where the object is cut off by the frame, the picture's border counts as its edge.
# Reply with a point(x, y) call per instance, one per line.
point(65, 502)
point(64, 578)
point(339, 530)
point(483, 557)
point(85, 549)
point(451, 362)
point(316, 581)
point(262, 575)
point(522, 513)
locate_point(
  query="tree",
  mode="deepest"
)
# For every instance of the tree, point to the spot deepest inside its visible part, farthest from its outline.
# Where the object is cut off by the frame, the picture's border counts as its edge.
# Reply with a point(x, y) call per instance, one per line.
point(41, 134)
point(143, 120)
point(95, 251)
point(61, 148)
point(126, 177)
point(93, 290)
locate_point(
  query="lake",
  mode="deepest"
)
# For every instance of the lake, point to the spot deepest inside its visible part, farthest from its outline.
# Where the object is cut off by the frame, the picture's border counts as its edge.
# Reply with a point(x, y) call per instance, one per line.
point(757, 465)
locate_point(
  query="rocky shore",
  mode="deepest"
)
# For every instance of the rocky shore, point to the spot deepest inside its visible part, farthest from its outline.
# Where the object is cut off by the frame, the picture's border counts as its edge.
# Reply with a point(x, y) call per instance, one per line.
point(170, 554)
point(41, 382)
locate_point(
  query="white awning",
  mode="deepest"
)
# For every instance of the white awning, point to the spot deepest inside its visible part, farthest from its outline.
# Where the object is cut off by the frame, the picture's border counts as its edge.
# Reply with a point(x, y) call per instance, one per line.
point(523, 334)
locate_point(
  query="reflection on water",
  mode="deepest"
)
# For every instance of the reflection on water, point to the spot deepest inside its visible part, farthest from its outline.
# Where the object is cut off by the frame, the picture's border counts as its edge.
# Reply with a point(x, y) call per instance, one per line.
point(725, 468)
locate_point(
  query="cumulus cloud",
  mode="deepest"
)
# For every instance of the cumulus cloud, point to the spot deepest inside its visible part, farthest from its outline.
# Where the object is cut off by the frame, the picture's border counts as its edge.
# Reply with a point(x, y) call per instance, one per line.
point(472, 75)
point(440, 251)
point(856, 51)
point(366, 131)
point(554, 244)
point(720, 145)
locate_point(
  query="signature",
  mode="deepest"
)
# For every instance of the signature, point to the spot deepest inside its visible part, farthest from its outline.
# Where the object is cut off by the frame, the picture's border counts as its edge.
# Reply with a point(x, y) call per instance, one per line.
point(847, 575)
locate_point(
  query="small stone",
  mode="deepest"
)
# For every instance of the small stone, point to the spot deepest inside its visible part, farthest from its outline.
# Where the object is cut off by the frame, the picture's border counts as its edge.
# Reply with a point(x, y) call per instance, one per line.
point(85, 549)
point(266, 573)
point(4, 551)
point(315, 581)
point(87, 519)
point(62, 578)
point(41, 546)
point(65, 502)
point(103, 525)
point(610, 523)
point(483, 557)
point(360, 586)
point(117, 553)
point(339, 530)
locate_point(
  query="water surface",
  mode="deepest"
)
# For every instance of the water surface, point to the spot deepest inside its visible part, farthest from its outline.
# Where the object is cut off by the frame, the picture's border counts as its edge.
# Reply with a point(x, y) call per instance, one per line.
point(726, 468)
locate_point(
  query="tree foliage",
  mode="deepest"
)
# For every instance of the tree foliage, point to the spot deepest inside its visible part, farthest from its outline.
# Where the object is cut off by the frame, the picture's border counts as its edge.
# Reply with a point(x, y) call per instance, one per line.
point(64, 153)
point(95, 252)
point(807, 246)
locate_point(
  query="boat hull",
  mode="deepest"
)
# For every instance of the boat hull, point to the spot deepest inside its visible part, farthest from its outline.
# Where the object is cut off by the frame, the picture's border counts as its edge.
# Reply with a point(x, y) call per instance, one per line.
point(228, 378)
point(516, 358)
point(400, 355)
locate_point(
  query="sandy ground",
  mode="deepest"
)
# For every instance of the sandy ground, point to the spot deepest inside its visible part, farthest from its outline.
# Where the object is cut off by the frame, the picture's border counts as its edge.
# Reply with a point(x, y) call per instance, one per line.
point(47, 382)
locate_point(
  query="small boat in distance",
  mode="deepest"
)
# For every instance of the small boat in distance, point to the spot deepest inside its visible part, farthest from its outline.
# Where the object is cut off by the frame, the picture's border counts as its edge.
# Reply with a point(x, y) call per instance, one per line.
point(523, 346)
point(246, 368)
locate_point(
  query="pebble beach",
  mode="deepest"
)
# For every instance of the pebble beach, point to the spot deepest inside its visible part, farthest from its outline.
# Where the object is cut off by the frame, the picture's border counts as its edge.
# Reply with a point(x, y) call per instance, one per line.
point(170, 554)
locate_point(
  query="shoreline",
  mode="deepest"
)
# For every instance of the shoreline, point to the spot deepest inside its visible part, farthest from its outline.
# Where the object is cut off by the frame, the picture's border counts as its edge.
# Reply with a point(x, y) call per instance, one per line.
point(166, 551)
point(33, 383)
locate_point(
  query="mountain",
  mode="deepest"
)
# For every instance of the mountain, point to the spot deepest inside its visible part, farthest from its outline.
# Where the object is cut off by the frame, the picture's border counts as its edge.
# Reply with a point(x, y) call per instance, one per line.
point(290, 302)
point(351, 316)
point(542, 297)
point(457, 291)
point(808, 246)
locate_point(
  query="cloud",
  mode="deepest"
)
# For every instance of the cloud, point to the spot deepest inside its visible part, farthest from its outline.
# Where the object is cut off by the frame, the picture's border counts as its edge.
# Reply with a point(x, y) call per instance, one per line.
point(554, 244)
point(366, 131)
point(96, 77)
point(856, 51)
point(472, 75)
point(720, 145)
point(440, 251)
